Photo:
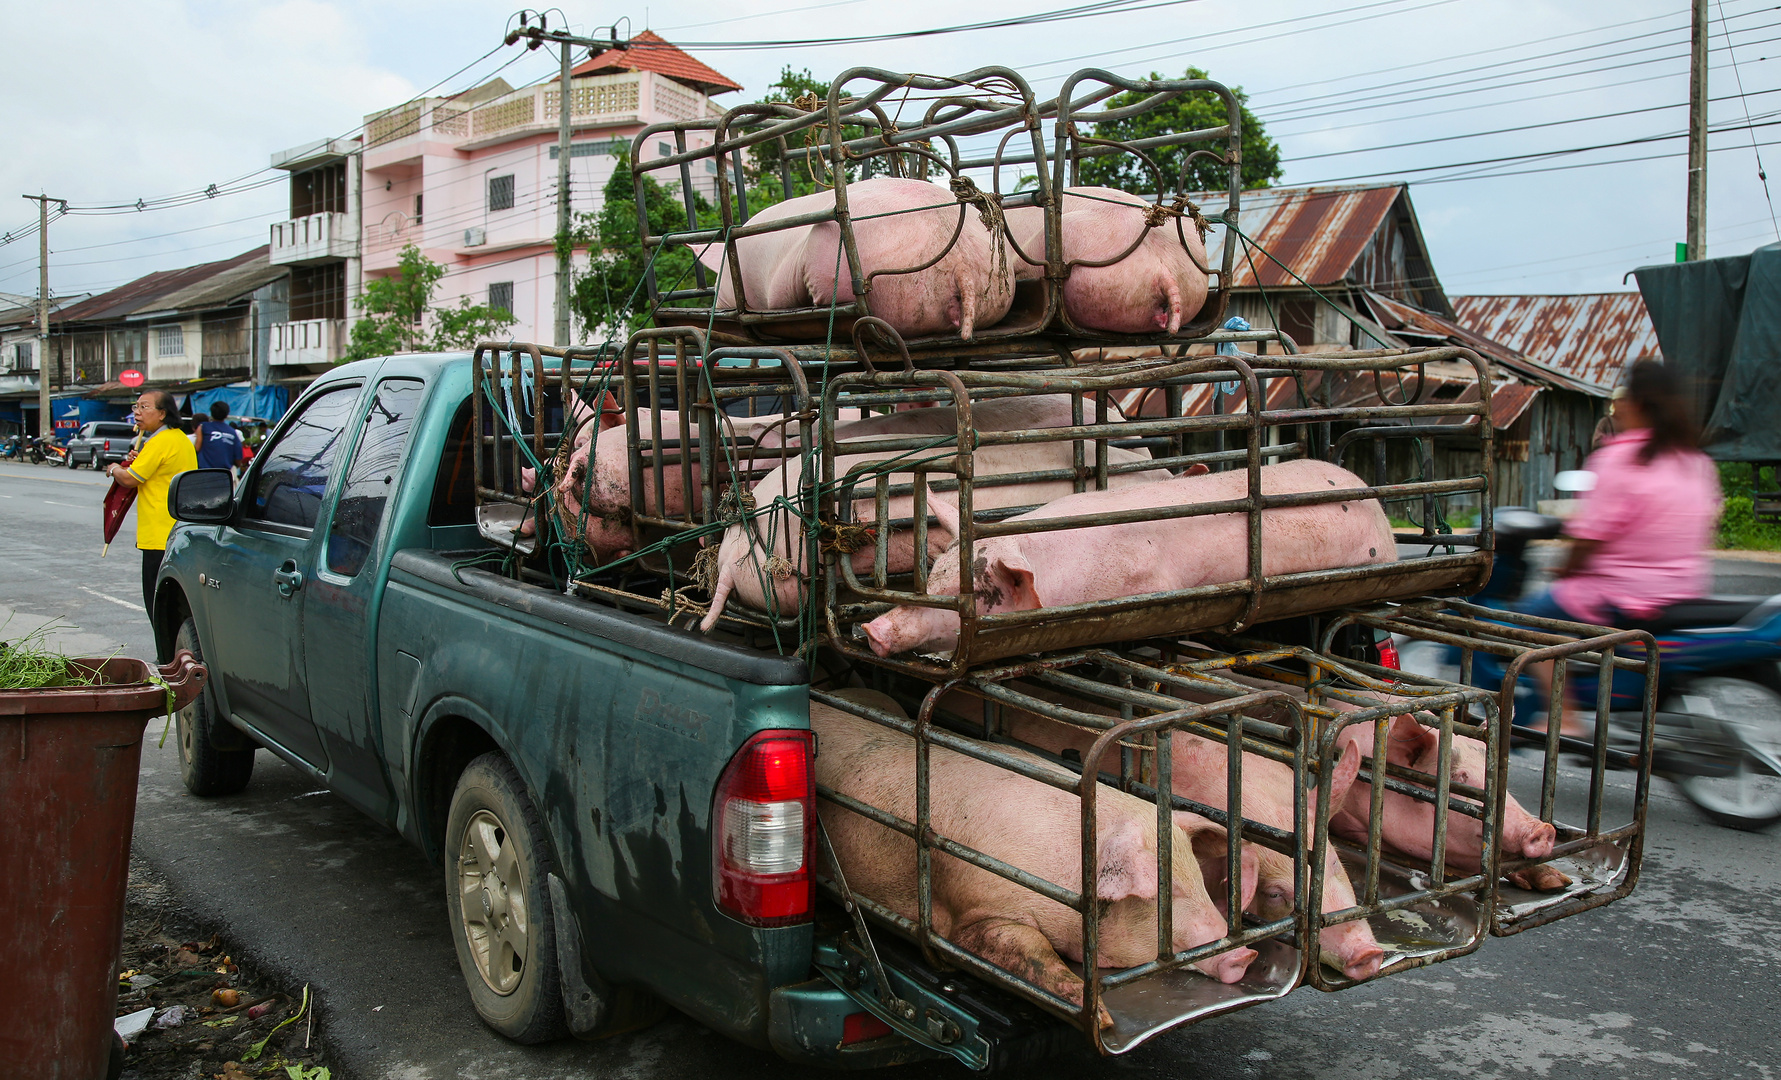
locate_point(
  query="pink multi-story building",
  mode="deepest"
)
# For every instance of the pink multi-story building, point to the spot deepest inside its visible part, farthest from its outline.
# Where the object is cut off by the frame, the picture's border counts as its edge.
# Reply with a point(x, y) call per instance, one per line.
point(472, 180)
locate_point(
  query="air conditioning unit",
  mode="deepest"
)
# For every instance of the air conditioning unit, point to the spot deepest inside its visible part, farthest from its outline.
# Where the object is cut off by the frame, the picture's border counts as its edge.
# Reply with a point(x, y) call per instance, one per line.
point(476, 237)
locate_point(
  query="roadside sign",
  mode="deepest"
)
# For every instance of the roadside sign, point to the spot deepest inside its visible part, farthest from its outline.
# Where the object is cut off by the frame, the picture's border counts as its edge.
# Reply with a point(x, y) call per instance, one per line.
point(130, 377)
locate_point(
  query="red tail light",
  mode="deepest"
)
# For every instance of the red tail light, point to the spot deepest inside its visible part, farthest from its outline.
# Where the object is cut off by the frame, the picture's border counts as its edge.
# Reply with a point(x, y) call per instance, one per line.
point(1388, 654)
point(862, 1027)
point(763, 824)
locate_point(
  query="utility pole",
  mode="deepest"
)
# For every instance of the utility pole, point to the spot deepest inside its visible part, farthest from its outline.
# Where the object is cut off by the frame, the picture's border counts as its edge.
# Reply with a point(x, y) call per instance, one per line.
point(46, 424)
point(1697, 135)
point(536, 36)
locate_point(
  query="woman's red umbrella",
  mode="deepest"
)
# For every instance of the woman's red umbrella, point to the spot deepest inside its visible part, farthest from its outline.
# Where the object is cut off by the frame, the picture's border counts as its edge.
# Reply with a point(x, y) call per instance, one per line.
point(117, 504)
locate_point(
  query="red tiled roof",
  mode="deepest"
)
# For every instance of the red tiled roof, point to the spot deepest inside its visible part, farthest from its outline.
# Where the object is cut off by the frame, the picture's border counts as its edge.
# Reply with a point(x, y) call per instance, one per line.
point(649, 51)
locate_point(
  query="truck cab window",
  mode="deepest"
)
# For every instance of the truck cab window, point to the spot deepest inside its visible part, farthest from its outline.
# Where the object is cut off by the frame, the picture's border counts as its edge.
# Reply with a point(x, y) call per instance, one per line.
point(293, 475)
point(454, 492)
point(372, 476)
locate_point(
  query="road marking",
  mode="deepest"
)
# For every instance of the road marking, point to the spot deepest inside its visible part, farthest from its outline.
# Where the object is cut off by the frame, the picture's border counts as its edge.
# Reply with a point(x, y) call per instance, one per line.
point(107, 596)
point(71, 506)
point(48, 479)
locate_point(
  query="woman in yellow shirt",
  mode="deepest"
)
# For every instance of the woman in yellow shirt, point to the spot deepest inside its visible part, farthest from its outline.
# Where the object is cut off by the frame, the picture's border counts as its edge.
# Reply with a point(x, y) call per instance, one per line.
point(164, 453)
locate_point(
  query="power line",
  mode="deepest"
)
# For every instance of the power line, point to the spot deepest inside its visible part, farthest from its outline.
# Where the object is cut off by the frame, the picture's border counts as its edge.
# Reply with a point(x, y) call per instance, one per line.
point(1761, 173)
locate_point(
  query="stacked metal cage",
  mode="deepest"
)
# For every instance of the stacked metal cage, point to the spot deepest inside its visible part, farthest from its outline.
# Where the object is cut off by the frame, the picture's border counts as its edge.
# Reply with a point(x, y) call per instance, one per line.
point(762, 394)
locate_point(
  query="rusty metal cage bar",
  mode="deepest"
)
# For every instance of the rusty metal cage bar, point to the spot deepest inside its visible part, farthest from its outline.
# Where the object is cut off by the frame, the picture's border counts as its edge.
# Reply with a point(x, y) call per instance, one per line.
point(993, 100)
point(1524, 641)
point(1201, 718)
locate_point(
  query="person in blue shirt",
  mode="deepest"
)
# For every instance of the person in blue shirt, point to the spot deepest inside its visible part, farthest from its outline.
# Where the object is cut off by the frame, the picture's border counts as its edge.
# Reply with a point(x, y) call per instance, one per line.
point(218, 444)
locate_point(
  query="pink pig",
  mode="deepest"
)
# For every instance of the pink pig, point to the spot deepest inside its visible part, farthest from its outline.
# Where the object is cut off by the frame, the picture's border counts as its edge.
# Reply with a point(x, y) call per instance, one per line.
point(1102, 562)
point(1200, 773)
point(1410, 823)
point(1161, 284)
point(1030, 825)
point(897, 224)
point(775, 537)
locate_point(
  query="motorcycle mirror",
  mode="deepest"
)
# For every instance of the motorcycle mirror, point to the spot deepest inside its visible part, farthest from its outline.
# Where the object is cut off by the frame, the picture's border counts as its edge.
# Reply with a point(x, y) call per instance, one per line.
point(1574, 480)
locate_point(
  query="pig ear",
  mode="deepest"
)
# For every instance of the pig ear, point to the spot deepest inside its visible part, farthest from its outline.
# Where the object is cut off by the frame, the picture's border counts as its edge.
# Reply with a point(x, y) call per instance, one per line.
point(712, 255)
point(945, 511)
point(1198, 468)
point(1347, 768)
point(1014, 576)
point(1127, 864)
point(1406, 733)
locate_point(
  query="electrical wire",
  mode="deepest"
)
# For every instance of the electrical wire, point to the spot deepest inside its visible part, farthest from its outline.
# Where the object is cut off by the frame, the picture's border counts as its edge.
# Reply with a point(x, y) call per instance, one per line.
point(1761, 173)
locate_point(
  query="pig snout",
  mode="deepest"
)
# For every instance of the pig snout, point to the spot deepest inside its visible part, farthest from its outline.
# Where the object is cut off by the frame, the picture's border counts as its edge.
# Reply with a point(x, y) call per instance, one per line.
point(1351, 949)
point(1228, 967)
point(1533, 839)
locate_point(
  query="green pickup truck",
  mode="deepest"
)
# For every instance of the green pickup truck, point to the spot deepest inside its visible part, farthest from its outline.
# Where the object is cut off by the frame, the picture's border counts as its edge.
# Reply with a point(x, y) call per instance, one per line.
point(562, 761)
point(625, 811)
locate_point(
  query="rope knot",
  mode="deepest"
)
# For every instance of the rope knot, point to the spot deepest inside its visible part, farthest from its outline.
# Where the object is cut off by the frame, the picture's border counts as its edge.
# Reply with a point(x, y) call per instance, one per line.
point(989, 211)
point(779, 568)
point(735, 504)
point(845, 537)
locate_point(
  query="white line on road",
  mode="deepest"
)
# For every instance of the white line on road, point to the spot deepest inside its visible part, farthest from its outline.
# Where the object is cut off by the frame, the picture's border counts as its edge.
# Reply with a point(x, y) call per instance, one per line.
point(107, 596)
point(71, 506)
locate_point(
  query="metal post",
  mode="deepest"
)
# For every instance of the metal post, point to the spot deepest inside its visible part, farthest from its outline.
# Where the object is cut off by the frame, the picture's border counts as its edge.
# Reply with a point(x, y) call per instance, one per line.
point(535, 36)
point(45, 422)
point(562, 328)
point(1697, 135)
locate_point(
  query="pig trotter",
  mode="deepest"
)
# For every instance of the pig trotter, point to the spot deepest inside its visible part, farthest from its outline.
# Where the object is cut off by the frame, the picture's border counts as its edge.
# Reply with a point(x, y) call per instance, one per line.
point(1021, 949)
point(1539, 878)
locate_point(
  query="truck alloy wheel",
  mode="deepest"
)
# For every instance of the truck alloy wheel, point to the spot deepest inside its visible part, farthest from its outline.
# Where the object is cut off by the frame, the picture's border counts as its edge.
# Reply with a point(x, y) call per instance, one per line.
point(205, 769)
point(496, 861)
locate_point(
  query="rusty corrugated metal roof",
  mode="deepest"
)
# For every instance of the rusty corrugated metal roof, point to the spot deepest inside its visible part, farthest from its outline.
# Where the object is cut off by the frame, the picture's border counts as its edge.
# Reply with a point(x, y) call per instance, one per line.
point(139, 294)
point(1402, 319)
point(1318, 231)
point(1591, 336)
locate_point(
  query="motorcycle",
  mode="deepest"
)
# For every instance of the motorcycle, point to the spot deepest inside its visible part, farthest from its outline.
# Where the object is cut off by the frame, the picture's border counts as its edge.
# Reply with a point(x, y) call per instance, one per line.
point(52, 451)
point(1718, 724)
point(12, 448)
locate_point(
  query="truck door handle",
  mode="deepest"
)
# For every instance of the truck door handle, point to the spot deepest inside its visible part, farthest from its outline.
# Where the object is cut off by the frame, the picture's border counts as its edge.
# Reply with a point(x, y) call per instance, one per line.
point(288, 578)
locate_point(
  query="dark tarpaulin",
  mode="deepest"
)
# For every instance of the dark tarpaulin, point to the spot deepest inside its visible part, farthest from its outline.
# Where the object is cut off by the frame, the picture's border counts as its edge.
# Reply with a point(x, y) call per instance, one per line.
point(1718, 322)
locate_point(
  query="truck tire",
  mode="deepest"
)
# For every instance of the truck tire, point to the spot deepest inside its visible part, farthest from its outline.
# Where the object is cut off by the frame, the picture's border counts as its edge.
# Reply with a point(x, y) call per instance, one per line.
point(206, 770)
point(497, 857)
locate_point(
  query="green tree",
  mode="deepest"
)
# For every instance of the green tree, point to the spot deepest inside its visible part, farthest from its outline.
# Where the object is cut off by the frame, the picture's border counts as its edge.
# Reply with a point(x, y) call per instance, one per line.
point(397, 310)
point(1189, 112)
point(609, 296)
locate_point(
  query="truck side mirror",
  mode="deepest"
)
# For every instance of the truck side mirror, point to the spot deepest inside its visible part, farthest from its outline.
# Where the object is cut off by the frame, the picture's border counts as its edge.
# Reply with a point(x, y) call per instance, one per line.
point(203, 496)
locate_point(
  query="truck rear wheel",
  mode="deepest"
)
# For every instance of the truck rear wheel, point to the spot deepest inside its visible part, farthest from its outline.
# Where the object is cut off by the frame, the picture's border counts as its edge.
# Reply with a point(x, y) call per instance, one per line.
point(497, 856)
point(205, 769)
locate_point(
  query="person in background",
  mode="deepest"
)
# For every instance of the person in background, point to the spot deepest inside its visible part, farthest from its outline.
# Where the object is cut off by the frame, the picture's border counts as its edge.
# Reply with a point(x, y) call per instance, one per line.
point(163, 453)
point(218, 443)
point(1642, 538)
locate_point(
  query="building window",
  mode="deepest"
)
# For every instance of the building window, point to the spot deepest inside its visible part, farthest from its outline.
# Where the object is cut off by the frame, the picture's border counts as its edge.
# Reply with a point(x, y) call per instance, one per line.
point(21, 357)
point(170, 341)
point(501, 296)
point(501, 192)
point(417, 209)
point(664, 149)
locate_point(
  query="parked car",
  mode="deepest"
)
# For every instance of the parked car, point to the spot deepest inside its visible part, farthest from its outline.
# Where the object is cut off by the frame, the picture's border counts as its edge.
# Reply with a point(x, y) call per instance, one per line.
point(99, 443)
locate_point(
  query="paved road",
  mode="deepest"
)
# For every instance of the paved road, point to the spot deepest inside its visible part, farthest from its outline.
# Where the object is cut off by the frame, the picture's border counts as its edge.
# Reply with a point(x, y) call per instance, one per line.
point(1679, 979)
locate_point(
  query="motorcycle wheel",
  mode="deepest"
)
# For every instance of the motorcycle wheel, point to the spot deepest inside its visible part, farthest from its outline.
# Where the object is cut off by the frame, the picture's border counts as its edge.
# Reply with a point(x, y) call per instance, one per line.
point(1749, 797)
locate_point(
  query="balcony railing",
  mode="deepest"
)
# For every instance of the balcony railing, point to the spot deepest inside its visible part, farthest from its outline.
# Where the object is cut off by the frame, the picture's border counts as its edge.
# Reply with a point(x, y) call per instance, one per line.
point(316, 238)
point(310, 341)
point(395, 231)
point(592, 98)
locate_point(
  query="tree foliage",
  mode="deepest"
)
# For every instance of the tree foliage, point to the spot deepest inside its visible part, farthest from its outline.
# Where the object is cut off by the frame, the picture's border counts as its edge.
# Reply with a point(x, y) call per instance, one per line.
point(609, 297)
point(399, 315)
point(1189, 112)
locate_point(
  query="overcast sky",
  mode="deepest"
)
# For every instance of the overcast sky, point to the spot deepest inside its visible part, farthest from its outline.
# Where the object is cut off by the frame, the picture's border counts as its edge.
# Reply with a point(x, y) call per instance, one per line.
point(140, 99)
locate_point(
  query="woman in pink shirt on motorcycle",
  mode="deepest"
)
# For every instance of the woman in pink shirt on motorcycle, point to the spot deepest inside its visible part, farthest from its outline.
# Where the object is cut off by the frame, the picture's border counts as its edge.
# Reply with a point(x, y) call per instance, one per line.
point(1641, 538)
